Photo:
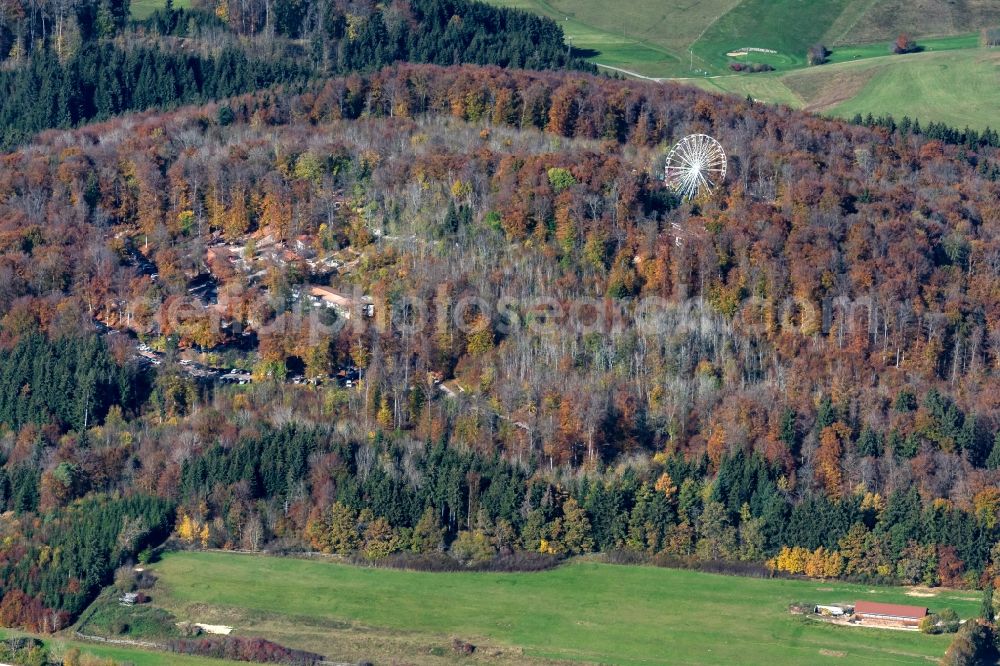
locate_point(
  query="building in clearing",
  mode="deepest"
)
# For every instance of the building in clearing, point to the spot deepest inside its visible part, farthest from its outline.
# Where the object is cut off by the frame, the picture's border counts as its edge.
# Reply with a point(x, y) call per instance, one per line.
point(344, 304)
point(332, 298)
point(894, 614)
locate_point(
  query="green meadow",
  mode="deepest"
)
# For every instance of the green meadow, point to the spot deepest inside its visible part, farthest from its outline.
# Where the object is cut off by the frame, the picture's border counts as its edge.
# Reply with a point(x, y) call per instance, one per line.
point(850, 53)
point(583, 611)
point(681, 38)
point(143, 8)
point(789, 27)
point(960, 87)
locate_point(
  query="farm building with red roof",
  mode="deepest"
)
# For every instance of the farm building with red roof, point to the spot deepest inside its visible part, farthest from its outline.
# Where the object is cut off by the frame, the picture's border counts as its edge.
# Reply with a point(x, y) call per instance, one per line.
point(889, 613)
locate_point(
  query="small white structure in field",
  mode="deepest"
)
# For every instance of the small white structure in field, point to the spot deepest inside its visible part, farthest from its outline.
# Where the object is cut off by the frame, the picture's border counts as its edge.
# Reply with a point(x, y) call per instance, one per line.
point(835, 611)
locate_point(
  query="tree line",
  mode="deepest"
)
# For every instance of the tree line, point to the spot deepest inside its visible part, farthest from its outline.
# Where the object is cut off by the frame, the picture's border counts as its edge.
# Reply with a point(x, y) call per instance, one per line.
point(66, 82)
point(394, 495)
point(939, 131)
point(101, 80)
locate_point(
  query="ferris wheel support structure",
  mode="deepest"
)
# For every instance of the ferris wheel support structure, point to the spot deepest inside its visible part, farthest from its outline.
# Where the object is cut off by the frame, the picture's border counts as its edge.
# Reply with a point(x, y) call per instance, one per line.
point(695, 166)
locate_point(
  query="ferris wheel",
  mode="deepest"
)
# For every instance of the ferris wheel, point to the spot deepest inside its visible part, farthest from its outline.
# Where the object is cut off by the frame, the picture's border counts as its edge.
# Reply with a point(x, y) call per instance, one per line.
point(695, 166)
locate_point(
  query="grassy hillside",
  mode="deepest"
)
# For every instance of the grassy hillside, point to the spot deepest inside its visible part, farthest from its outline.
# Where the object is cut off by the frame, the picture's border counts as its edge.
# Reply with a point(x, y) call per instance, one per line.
point(884, 19)
point(786, 26)
point(959, 87)
point(853, 28)
point(583, 611)
point(630, 44)
point(672, 25)
point(677, 37)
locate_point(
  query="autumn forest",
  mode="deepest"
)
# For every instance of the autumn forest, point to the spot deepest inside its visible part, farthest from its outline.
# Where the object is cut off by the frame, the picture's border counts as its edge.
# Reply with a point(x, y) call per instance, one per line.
point(538, 349)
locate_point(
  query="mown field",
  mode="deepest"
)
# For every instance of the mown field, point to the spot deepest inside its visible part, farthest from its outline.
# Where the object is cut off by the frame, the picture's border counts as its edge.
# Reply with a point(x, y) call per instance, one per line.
point(583, 611)
point(958, 87)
